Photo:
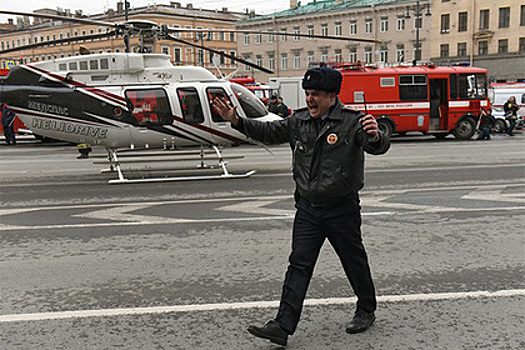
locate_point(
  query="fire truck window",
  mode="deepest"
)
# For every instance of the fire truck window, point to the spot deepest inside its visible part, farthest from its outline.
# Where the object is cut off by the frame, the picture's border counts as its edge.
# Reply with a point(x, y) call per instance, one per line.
point(190, 106)
point(453, 86)
point(150, 107)
point(251, 105)
point(359, 96)
point(413, 87)
point(211, 94)
point(472, 86)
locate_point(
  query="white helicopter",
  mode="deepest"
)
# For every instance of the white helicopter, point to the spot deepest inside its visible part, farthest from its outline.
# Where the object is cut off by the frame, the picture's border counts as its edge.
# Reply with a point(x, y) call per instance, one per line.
point(136, 101)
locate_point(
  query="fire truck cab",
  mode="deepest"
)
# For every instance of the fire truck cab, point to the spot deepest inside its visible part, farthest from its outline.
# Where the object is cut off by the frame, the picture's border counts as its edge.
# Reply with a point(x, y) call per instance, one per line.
point(429, 99)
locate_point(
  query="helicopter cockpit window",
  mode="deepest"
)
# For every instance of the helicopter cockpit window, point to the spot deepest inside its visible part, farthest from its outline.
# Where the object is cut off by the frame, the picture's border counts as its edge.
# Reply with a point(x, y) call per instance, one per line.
point(220, 93)
point(251, 105)
point(150, 107)
point(190, 105)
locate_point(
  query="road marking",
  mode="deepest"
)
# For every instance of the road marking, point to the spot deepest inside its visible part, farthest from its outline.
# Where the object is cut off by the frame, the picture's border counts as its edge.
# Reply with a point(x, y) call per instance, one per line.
point(117, 213)
point(249, 305)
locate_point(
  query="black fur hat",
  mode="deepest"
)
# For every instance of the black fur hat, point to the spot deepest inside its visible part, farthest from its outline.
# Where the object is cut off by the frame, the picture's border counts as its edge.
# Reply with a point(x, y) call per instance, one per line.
point(325, 79)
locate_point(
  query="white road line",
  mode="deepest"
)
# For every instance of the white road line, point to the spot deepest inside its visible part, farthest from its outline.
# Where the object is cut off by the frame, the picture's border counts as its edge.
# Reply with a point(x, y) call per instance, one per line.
point(249, 305)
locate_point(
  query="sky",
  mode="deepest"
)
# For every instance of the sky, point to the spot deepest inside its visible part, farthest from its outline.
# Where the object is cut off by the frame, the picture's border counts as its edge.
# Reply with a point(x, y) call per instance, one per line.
point(99, 6)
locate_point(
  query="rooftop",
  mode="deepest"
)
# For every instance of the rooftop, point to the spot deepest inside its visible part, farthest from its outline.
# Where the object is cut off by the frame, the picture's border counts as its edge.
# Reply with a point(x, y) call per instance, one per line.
point(317, 6)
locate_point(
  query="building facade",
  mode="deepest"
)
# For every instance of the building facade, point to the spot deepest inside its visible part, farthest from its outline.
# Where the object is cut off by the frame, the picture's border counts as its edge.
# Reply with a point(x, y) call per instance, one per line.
point(400, 25)
point(173, 15)
point(487, 34)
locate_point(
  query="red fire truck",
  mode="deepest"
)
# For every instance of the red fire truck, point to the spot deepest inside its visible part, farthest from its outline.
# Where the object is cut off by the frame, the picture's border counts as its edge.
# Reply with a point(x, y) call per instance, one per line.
point(430, 99)
point(263, 92)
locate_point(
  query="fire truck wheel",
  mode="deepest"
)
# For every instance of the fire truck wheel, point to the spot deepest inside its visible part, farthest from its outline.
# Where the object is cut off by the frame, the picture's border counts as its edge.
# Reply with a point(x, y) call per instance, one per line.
point(465, 128)
point(385, 126)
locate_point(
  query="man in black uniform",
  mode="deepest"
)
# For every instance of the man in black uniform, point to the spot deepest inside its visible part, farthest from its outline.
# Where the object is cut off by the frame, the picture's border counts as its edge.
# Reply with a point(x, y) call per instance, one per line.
point(328, 142)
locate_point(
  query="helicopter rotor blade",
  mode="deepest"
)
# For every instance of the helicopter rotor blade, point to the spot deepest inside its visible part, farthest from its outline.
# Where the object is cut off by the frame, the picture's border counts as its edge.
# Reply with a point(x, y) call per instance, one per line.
point(60, 41)
point(62, 18)
point(313, 36)
point(248, 63)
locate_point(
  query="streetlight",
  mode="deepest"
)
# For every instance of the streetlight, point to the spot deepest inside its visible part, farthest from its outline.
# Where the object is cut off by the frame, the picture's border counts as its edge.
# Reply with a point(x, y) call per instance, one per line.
point(418, 11)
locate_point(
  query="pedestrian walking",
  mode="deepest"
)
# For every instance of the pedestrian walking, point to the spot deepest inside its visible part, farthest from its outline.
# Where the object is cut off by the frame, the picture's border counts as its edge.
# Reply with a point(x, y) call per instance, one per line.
point(328, 141)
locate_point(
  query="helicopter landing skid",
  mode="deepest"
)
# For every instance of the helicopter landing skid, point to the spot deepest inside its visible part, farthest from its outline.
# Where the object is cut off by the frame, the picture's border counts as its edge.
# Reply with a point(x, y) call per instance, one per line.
point(116, 162)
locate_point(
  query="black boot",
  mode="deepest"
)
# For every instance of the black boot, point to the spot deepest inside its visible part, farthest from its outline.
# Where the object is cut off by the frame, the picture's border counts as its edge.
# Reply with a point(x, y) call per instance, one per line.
point(271, 331)
point(361, 322)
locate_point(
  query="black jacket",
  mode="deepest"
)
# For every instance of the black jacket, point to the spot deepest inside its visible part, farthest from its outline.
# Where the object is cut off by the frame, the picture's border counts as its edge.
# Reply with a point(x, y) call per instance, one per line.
point(329, 166)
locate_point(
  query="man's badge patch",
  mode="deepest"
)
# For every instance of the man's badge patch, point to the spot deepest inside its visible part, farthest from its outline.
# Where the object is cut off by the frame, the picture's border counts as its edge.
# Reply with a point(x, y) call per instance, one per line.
point(332, 139)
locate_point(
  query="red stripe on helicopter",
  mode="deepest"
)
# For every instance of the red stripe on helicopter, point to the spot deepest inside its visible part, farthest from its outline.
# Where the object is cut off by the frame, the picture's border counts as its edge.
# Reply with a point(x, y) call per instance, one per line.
point(102, 93)
point(209, 130)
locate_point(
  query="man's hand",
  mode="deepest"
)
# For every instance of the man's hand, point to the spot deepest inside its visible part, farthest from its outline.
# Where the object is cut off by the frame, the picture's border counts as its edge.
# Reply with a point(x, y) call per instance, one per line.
point(370, 126)
point(227, 112)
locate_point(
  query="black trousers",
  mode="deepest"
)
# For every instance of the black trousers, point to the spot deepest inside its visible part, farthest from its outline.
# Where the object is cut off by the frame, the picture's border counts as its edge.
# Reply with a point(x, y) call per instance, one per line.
point(341, 224)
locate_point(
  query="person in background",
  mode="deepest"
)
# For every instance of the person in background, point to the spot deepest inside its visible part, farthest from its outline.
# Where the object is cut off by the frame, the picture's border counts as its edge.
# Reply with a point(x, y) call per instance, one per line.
point(284, 111)
point(328, 141)
point(272, 104)
point(511, 114)
point(486, 124)
point(8, 123)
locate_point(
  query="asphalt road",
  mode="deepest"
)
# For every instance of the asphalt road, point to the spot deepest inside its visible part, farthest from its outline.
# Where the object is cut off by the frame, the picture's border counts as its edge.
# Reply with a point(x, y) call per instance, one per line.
point(189, 265)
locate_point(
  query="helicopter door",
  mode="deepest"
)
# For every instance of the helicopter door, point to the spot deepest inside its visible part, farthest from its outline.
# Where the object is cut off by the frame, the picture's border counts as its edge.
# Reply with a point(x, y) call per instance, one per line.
point(150, 110)
point(190, 105)
point(216, 120)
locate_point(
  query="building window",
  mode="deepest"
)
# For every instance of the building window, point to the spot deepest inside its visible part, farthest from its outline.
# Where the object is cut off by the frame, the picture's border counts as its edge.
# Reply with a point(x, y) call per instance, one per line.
point(383, 55)
point(353, 27)
point(462, 21)
point(297, 61)
point(522, 45)
point(462, 49)
point(324, 56)
point(246, 39)
point(368, 55)
point(400, 24)
point(400, 53)
point(271, 38)
point(271, 62)
point(522, 15)
point(484, 19)
point(221, 36)
point(296, 31)
point(233, 54)
point(310, 31)
point(232, 37)
point(283, 36)
point(338, 55)
point(324, 29)
point(338, 29)
point(445, 23)
point(384, 24)
point(504, 17)
point(503, 46)
point(443, 51)
point(165, 50)
point(353, 55)
point(483, 48)
point(368, 26)
point(258, 38)
point(284, 61)
point(177, 54)
point(310, 57)
point(258, 60)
